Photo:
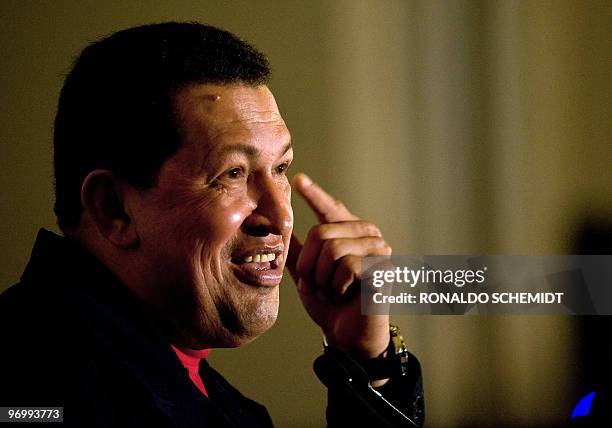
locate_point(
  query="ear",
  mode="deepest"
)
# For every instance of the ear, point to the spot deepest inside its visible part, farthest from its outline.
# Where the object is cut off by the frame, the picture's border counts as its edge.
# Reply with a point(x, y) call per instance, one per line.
point(102, 196)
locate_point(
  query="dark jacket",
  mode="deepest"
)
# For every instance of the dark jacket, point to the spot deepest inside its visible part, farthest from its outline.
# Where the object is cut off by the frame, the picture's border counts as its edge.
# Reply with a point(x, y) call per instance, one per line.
point(73, 336)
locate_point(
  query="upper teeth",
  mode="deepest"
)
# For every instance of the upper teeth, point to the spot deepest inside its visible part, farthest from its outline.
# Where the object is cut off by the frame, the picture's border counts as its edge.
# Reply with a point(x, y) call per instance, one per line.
point(257, 258)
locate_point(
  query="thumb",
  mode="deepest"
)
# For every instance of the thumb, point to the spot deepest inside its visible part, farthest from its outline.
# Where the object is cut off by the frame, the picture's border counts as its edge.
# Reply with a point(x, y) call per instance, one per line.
point(295, 248)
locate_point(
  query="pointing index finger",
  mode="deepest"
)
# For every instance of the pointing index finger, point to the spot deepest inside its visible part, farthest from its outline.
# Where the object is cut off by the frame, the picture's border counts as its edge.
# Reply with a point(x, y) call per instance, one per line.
point(326, 207)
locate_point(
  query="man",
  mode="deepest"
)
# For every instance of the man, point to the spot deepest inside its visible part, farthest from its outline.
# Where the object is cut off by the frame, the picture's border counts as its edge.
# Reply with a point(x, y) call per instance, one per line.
point(172, 193)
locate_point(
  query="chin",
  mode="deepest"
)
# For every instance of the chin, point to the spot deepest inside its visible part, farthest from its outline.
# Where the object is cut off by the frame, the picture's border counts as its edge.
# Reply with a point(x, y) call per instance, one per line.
point(233, 330)
point(249, 331)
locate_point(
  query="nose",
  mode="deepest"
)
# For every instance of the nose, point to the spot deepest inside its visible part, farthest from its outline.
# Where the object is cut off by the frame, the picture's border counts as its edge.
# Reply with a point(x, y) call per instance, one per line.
point(273, 213)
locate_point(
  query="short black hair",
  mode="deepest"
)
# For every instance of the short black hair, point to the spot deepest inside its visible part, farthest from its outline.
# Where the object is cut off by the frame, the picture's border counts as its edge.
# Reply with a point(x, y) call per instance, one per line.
point(116, 110)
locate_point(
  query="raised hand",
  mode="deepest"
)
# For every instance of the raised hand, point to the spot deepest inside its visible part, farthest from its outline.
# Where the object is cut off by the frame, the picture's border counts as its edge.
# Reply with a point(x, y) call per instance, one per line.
point(325, 269)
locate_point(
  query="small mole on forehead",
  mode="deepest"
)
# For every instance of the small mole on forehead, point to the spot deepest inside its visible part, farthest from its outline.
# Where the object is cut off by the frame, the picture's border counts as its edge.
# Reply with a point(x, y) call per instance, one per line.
point(210, 97)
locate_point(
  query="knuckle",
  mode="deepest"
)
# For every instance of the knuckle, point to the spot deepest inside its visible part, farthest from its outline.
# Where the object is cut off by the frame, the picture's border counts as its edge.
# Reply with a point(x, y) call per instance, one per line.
point(317, 233)
point(350, 265)
point(381, 246)
point(371, 229)
point(333, 248)
point(325, 250)
point(378, 242)
point(338, 204)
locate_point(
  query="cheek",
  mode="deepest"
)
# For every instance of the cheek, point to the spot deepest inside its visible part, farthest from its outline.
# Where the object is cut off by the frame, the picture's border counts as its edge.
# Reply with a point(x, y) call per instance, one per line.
point(236, 218)
point(210, 235)
point(225, 219)
point(208, 217)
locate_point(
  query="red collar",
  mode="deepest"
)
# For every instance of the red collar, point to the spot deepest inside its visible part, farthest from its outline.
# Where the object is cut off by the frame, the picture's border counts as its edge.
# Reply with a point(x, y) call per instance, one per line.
point(191, 357)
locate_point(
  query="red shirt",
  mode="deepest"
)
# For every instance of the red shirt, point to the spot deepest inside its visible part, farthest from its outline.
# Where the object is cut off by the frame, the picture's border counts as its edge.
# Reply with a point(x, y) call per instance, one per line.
point(190, 358)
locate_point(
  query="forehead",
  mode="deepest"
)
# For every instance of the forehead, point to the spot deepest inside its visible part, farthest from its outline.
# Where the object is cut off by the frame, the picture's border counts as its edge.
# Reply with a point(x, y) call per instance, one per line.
point(213, 115)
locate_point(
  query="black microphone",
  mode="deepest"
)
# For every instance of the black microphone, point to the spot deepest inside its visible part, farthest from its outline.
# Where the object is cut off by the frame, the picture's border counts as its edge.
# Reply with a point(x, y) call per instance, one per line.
point(338, 371)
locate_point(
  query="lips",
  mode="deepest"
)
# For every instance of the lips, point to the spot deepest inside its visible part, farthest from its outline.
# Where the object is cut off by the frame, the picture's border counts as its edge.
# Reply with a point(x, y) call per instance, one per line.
point(259, 266)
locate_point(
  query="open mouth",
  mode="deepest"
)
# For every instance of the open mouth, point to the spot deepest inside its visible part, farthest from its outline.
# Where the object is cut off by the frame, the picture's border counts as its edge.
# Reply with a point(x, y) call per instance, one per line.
point(259, 267)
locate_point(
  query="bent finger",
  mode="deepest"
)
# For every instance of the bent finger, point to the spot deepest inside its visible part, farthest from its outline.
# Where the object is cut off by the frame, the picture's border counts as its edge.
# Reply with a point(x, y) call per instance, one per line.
point(334, 249)
point(320, 233)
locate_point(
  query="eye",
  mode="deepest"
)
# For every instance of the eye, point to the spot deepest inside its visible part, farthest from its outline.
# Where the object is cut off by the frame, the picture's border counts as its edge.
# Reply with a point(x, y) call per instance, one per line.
point(282, 168)
point(234, 173)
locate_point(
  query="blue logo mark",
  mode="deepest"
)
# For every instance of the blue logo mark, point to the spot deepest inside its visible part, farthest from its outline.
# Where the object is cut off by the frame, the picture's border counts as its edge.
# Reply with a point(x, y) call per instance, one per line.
point(583, 408)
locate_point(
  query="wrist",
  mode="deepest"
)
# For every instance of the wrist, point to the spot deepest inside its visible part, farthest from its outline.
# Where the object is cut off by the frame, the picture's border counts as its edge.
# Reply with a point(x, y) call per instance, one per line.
point(362, 350)
point(390, 363)
point(368, 343)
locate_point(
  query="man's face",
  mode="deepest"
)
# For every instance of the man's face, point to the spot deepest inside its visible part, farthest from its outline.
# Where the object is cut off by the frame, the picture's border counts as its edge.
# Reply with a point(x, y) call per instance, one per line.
point(215, 230)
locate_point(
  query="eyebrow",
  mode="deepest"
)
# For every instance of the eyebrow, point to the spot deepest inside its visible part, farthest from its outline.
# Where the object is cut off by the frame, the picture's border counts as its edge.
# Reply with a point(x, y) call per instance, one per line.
point(251, 151)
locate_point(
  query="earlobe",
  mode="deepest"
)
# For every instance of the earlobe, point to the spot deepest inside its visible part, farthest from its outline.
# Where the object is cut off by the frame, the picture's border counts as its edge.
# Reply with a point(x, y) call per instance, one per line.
point(103, 199)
